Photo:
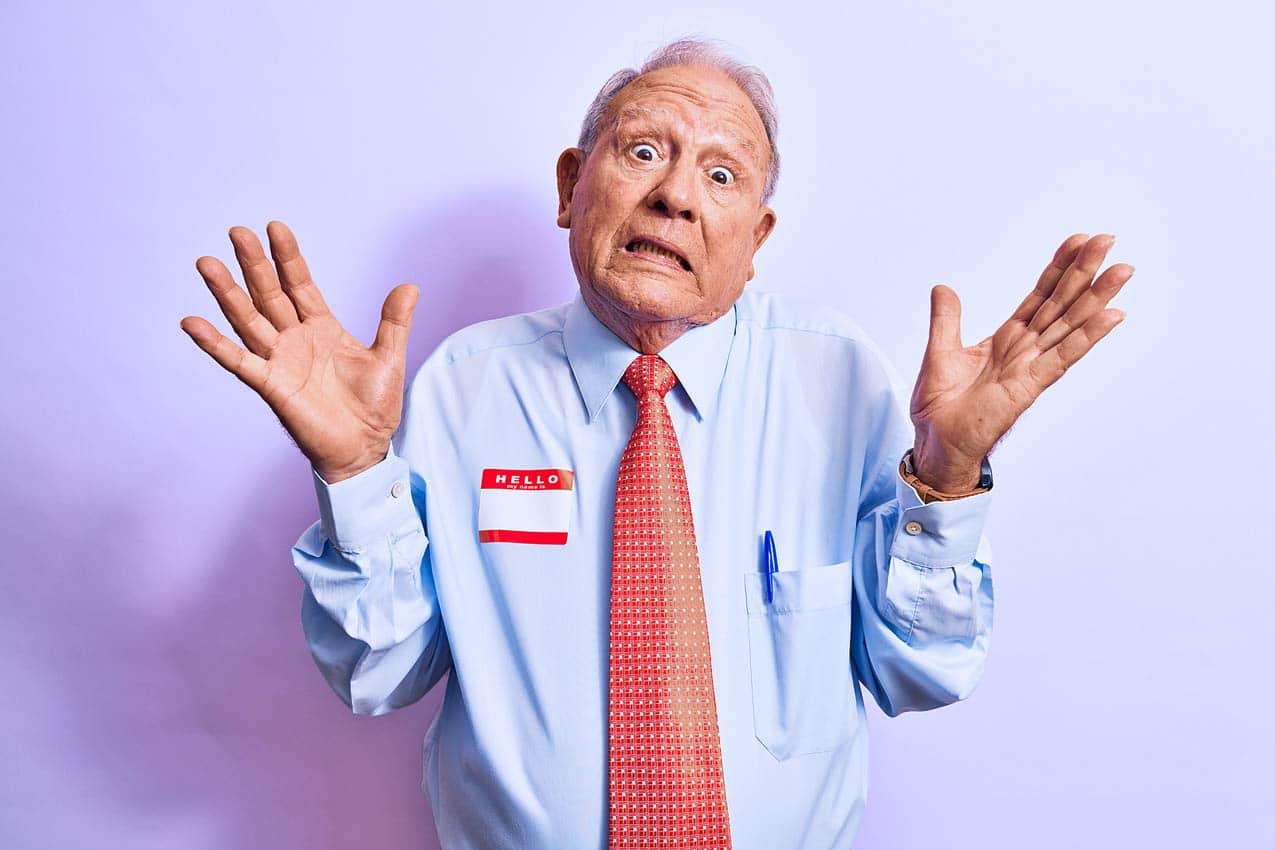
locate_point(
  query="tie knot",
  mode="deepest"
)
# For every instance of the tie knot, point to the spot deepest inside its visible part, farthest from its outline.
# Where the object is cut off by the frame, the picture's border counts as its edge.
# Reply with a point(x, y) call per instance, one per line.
point(649, 373)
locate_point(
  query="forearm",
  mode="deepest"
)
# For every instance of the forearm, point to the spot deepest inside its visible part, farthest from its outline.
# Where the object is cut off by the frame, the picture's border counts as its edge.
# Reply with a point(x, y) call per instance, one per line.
point(370, 612)
point(923, 590)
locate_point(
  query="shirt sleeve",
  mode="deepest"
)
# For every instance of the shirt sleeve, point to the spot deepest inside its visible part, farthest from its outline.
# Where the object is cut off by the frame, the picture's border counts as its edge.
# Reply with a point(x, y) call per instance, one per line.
point(370, 608)
point(922, 595)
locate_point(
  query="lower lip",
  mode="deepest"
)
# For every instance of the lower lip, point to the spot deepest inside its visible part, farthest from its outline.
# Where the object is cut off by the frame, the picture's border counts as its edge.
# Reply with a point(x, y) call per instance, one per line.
point(656, 258)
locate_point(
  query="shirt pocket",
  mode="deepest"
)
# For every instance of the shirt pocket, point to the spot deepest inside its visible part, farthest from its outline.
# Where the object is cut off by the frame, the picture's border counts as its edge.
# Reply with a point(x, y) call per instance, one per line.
point(799, 654)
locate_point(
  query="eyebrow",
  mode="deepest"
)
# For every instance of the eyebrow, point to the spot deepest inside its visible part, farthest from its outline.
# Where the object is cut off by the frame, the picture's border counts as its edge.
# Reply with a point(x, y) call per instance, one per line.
point(634, 112)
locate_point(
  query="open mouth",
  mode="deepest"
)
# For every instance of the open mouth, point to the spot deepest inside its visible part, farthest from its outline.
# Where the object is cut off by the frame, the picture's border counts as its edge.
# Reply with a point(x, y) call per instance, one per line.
point(646, 246)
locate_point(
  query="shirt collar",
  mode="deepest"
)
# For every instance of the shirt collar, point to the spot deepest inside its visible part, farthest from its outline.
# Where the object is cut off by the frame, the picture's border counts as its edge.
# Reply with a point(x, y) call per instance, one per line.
point(598, 357)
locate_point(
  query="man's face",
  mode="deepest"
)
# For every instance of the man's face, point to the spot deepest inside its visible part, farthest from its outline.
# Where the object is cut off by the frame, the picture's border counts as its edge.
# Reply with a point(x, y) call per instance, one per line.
point(665, 213)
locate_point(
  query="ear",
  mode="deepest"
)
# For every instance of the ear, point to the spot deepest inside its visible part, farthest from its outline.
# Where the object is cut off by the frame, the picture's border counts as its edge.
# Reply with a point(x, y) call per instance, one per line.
point(766, 219)
point(570, 164)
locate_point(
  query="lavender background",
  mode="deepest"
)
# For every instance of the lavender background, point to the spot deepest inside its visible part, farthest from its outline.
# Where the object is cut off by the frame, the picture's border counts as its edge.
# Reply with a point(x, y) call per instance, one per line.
point(157, 692)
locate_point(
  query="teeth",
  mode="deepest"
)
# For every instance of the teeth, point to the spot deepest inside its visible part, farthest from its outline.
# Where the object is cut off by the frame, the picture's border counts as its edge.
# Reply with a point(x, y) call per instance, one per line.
point(640, 245)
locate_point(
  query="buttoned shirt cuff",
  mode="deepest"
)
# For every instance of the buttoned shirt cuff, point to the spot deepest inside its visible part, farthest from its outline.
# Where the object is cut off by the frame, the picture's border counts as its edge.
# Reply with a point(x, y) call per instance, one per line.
point(364, 508)
point(938, 534)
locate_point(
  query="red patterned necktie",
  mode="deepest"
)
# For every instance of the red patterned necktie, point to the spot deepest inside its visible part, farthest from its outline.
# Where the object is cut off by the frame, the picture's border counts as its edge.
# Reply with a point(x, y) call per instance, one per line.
point(666, 787)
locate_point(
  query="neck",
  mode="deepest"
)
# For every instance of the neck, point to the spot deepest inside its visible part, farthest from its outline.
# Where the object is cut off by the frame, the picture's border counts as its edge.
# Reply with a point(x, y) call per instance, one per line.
point(647, 336)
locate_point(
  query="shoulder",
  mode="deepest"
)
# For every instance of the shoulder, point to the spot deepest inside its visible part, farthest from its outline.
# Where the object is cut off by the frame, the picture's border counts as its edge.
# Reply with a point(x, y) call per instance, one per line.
point(473, 361)
point(772, 312)
point(494, 336)
point(789, 320)
point(478, 345)
point(824, 346)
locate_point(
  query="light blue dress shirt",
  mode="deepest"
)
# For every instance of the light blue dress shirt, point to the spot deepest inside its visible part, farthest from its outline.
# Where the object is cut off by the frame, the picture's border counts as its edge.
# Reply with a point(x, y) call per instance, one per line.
point(789, 420)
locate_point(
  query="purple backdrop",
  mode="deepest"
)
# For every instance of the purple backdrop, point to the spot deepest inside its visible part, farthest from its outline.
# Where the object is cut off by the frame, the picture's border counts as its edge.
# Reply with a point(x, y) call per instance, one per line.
point(157, 690)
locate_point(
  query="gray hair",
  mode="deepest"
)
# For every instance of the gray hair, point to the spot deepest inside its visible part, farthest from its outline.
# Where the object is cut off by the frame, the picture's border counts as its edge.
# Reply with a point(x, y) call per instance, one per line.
point(693, 51)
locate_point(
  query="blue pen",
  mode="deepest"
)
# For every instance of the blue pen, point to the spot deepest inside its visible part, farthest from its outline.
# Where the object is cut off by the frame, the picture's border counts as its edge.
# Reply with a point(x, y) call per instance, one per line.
point(772, 566)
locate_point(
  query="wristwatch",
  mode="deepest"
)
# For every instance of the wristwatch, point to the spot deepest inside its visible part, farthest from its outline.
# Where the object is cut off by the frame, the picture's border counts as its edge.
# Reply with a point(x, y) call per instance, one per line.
point(924, 490)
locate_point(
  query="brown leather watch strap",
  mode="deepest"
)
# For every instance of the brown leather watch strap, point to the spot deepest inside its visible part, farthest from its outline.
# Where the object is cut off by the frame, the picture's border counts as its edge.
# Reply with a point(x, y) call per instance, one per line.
point(928, 493)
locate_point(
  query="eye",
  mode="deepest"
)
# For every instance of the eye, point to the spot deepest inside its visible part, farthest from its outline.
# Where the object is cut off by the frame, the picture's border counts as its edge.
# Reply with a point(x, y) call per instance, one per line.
point(645, 152)
point(721, 175)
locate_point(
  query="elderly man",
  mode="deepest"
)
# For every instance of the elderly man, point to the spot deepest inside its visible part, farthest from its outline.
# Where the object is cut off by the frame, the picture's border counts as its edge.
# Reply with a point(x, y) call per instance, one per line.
point(660, 536)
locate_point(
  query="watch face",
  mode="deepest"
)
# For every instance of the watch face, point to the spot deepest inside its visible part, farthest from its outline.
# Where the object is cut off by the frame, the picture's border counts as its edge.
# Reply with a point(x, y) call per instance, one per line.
point(985, 474)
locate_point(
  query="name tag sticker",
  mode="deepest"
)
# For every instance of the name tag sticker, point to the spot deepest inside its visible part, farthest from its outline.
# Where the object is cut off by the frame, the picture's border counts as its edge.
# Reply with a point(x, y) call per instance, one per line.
point(525, 506)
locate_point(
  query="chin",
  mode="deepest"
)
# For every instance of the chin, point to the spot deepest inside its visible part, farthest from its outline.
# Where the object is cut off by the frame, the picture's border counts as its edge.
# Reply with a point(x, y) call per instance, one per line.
point(653, 297)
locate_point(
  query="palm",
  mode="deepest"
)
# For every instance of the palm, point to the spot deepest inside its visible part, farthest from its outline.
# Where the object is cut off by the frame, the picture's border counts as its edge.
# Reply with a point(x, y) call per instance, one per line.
point(338, 399)
point(966, 398)
point(330, 391)
point(964, 380)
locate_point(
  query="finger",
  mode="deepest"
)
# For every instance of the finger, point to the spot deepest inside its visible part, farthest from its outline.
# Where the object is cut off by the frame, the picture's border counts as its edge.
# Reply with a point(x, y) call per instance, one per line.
point(1051, 365)
point(244, 365)
point(294, 272)
point(1093, 299)
point(1049, 277)
point(253, 328)
point(263, 283)
point(390, 344)
point(945, 319)
point(1073, 282)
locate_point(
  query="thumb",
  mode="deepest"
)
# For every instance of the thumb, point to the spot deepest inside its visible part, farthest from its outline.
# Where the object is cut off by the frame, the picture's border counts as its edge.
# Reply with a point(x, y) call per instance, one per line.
point(945, 319)
point(396, 321)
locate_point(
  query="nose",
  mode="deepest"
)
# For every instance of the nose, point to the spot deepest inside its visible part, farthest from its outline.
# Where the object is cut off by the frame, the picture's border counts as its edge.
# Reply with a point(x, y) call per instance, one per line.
point(677, 193)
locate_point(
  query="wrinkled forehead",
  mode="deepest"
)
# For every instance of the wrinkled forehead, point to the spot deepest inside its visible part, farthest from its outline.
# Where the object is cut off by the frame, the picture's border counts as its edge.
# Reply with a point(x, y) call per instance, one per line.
point(701, 98)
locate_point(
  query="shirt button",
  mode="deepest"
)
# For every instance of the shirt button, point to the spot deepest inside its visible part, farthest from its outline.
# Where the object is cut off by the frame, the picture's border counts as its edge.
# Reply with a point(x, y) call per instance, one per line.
point(913, 527)
point(397, 489)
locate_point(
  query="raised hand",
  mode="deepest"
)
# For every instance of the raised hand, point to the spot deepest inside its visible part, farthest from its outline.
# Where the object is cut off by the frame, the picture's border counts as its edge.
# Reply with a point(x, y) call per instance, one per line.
point(966, 399)
point(340, 400)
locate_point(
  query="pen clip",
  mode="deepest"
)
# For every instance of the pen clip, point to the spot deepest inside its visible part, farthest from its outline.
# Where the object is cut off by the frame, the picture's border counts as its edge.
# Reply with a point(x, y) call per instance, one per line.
point(772, 566)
